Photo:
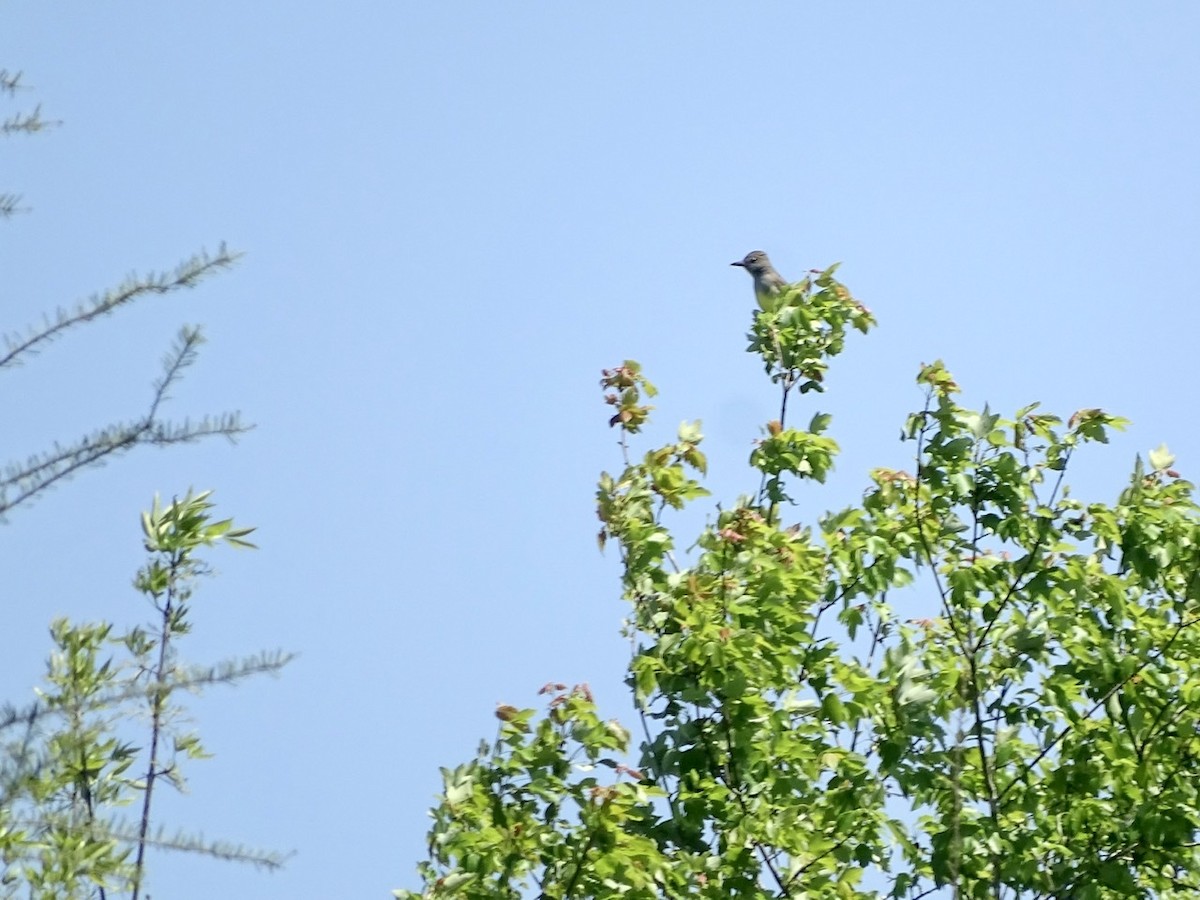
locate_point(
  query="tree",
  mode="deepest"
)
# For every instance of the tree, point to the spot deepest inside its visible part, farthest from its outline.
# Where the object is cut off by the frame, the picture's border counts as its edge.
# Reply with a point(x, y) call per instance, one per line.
point(801, 735)
point(72, 761)
point(77, 762)
point(23, 480)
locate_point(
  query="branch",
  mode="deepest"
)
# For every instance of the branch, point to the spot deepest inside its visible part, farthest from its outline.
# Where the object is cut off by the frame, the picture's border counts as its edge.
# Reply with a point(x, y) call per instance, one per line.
point(23, 481)
point(27, 123)
point(176, 594)
point(660, 776)
point(188, 274)
point(729, 775)
point(1029, 560)
point(876, 639)
point(8, 205)
point(820, 856)
point(228, 672)
point(10, 82)
point(569, 888)
point(937, 580)
point(182, 841)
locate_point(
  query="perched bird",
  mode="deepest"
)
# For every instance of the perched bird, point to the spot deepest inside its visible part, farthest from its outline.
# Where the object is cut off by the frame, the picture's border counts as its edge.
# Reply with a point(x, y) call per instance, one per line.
point(767, 282)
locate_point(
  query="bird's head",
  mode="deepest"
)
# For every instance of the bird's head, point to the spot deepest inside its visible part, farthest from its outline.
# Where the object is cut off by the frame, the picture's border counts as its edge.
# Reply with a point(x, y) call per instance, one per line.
point(754, 262)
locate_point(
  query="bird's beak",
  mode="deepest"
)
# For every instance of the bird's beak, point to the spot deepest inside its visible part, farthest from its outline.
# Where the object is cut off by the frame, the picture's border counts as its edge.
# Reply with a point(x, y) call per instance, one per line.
point(738, 263)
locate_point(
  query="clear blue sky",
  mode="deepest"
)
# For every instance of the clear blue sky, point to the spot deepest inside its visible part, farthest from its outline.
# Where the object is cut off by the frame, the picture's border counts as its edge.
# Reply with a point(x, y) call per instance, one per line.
point(454, 215)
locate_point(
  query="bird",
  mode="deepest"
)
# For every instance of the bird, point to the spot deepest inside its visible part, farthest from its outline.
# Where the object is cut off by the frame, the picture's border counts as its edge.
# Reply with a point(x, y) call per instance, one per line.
point(767, 282)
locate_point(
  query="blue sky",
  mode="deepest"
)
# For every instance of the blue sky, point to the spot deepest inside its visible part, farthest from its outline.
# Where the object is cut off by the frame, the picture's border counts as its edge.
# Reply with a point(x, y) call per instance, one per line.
point(454, 215)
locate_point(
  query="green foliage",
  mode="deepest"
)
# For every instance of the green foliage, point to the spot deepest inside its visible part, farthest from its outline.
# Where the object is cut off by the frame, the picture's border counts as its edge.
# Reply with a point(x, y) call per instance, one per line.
point(532, 808)
point(78, 766)
point(799, 330)
point(971, 683)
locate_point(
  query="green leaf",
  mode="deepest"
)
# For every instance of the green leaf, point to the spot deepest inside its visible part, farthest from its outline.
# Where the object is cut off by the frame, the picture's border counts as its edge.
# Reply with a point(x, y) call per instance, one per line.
point(833, 709)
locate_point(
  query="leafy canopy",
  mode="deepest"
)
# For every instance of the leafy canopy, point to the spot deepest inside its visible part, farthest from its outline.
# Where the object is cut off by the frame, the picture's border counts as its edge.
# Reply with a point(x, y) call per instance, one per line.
point(802, 735)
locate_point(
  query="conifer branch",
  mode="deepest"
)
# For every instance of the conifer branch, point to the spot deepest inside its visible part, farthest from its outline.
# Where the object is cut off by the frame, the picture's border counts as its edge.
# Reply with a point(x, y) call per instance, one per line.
point(191, 678)
point(10, 82)
point(20, 482)
point(27, 123)
point(8, 204)
point(187, 275)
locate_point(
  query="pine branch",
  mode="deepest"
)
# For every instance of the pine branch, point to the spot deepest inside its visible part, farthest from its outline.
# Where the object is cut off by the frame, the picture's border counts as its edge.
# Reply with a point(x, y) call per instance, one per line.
point(187, 275)
point(27, 123)
point(120, 830)
point(8, 205)
point(10, 82)
point(20, 482)
point(230, 672)
point(194, 678)
point(195, 843)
